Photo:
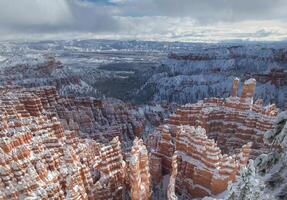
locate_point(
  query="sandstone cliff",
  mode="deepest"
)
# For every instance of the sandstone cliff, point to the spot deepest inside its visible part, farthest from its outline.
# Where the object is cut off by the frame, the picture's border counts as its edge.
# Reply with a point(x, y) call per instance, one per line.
point(233, 121)
point(41, 160)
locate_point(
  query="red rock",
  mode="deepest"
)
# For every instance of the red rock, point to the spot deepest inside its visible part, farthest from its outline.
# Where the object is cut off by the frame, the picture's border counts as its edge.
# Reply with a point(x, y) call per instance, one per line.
point(233, 121)
point(198, 164)
point(139, 172)
point(41, 160)
point(171, 186)
point(202, 167)
point(276, 77)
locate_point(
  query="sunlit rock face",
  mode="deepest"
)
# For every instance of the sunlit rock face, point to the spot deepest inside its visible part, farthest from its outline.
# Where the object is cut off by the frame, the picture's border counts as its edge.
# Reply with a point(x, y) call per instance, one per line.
point(196, 164)
point(171, 185)
point(139, 174)
point(231, 122)
point(101, 120)
point(205, 144)
point(41, 160)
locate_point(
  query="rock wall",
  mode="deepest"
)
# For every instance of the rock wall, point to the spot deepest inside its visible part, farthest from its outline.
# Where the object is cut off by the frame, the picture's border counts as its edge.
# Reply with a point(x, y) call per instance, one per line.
point(139, 172)
point(196, 161)
point(41, 160)
point(235, 126)
point(171, 185)
point(233, 121)
point(101, 120)
point(276, 77)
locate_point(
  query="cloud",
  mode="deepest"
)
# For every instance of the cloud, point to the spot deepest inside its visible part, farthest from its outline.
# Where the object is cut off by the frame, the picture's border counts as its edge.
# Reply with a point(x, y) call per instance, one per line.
point(210, 10)
point(29, 13)
point(184, 20)
point(169, 28)
point(35, 16)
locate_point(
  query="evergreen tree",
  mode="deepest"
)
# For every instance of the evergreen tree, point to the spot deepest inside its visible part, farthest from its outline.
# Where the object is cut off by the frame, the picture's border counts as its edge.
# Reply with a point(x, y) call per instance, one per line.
point(247, 186)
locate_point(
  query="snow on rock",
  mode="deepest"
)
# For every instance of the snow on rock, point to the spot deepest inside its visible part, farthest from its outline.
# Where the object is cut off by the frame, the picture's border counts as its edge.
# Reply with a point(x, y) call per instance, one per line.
point(139, 171)
point(202, 169)
point(204, 72)
point(232, 122)
point(272, 167)
point(41, 160)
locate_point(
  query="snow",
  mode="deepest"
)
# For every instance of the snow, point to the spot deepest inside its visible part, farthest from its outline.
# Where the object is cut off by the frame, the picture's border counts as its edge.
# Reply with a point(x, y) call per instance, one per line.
point(250, 81)
point(2, 58)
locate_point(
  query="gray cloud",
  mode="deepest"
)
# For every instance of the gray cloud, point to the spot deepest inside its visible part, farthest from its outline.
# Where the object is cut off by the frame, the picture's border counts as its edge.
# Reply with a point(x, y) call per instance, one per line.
point(210, 10)
point(186, 20)
point(38, 16)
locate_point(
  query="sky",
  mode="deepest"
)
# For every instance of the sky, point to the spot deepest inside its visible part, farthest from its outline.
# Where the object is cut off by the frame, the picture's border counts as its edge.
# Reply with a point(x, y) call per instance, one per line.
point(163, 20)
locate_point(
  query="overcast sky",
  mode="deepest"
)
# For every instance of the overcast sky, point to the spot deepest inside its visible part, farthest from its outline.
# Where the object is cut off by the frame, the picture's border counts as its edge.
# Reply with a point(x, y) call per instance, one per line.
point(172, 20)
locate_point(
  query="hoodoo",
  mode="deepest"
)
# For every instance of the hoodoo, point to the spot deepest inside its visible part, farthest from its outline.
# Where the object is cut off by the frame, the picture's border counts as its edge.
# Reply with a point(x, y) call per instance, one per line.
point(139, 172)
point(41, 160)
point(196, 161)
point(47, 151)
point(204, 145)
point(231, 122)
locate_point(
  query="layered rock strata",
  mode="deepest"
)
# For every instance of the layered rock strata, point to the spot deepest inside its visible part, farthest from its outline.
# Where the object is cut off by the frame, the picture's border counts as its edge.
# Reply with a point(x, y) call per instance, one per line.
point(235, 126)
point(88, 117)
point(231, 122)
point(41, 160)
point(139, 172)
point(276, 77)
point(171, 185)
point(197, 166)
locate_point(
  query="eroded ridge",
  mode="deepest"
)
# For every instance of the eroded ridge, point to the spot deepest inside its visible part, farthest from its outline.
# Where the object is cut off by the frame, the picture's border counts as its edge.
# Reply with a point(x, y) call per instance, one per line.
point(231, 122)
point(42, 160)
point(195, 160)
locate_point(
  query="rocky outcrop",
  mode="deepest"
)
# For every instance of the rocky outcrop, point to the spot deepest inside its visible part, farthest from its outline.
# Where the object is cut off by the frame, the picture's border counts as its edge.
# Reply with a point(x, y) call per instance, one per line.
point(196, 161)
point(171, 185)
point(228, 132)
point(139, 172)
point(41, 160)
point(277, 77)
point(110, 170)
point(233, 121)
point(101, 120)
point(205, 71)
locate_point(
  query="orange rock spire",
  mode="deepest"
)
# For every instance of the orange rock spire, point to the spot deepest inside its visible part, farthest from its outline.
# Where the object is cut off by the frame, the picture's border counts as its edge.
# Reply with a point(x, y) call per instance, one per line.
point(248, 88)
point(235, 86)
point(233, 121)
point(139, 172)
point(172, 181)
point(41, 160)
point(197, 166)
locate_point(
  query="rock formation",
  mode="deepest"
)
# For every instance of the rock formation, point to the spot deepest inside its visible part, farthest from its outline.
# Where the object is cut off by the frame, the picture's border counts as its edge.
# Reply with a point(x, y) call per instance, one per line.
point(91, 118)
point(197, 166)
point(235, 86)
point(41, 160)
point(233, 121)
point(235, 126)
point(171, 185)
point(55, 147)
point(139, 172)
point(276, 77)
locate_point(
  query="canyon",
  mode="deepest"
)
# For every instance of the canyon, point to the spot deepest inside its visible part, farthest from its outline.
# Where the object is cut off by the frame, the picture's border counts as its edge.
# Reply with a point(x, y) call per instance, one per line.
point(142, 72)
point(42, 159)
point(231, 121)
point(185, 130)
point(204, 145)
point(80, 148)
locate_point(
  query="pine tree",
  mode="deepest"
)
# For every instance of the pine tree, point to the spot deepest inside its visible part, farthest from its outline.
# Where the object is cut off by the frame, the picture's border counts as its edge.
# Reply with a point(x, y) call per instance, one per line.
point(247, 186)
